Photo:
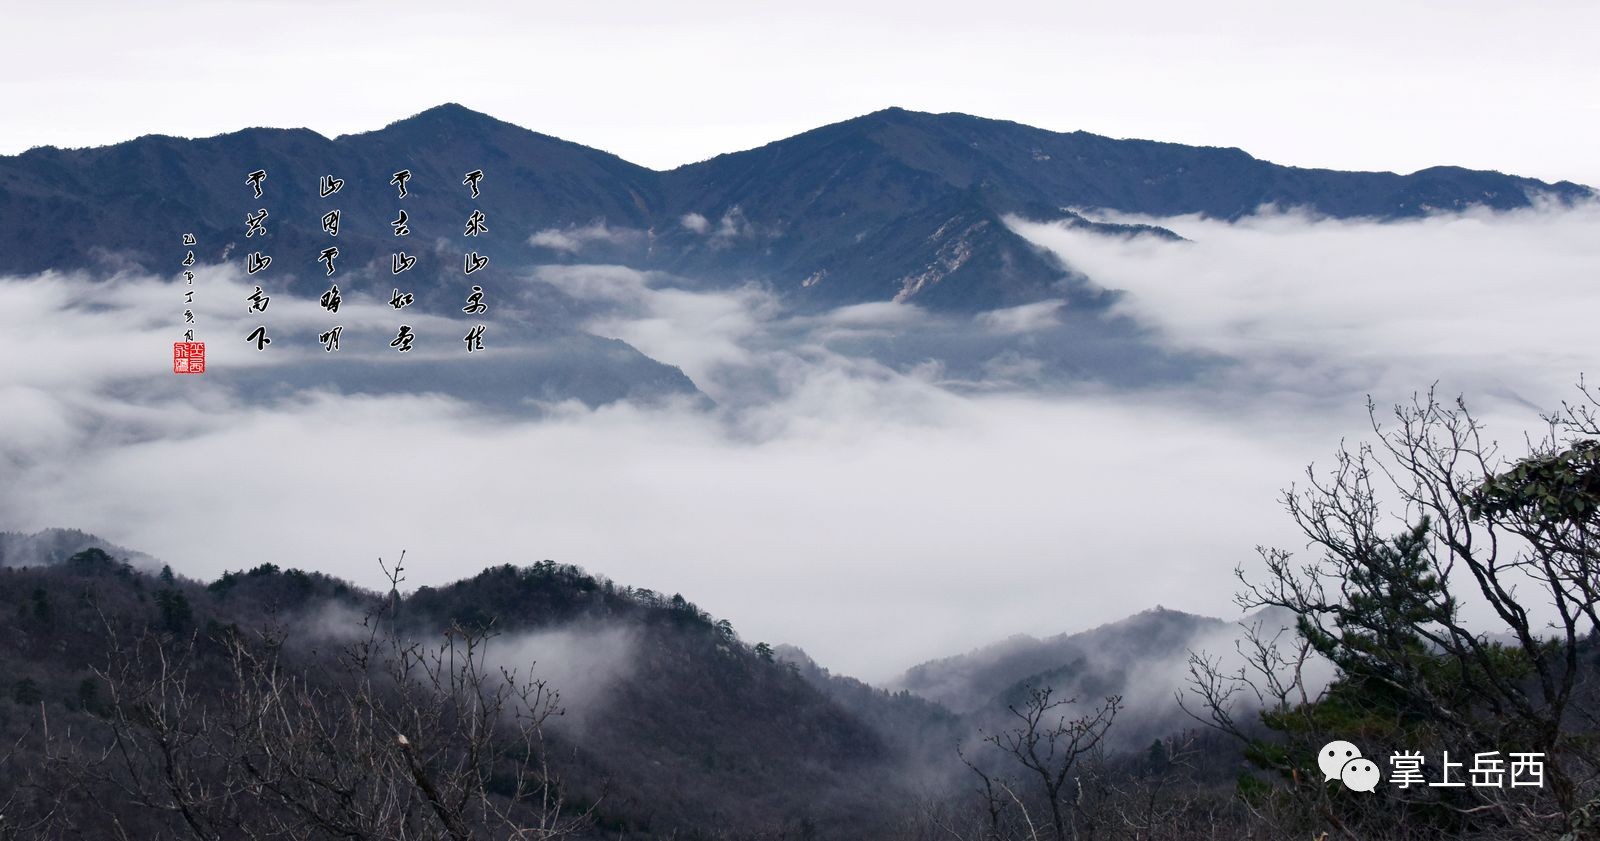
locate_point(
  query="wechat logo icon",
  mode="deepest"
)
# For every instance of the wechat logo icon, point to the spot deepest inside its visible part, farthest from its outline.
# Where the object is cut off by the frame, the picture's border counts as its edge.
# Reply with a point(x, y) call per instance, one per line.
point(1343, 761)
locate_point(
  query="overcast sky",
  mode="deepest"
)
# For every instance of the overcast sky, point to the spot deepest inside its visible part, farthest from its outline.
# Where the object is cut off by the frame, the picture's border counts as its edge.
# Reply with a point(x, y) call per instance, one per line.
point(1354, 85)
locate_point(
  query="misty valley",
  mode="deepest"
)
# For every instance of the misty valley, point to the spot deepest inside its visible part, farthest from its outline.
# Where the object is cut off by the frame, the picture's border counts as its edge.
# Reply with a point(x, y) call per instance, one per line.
point(918, 476)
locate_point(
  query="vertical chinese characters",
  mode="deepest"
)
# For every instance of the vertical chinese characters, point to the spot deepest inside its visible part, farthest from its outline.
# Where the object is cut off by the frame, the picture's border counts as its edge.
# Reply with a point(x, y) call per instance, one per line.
point(188, 355)
point(473, 262)
point(399, 261)
point(257, 261)
point(331, 299)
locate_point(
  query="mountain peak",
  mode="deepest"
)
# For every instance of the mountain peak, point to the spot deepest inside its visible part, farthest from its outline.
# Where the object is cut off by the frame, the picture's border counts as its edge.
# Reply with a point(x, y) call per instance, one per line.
point(452, 111)
point(448, 110)
point(448, 116)
point(894, 111)
point(54, 545)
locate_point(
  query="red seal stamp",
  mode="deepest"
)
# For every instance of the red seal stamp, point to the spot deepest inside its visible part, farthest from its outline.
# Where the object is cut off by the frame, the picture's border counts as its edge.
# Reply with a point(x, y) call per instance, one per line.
point(188, 357)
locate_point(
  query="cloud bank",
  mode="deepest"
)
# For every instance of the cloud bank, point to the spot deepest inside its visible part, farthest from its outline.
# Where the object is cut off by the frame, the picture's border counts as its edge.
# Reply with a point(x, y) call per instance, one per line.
point(875, 511)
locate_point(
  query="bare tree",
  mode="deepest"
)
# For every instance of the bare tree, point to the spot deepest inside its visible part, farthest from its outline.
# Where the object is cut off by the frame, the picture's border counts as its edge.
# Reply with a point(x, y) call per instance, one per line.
point(29, 806)
point(1147, 803)
point(1048, 746)
point(404, 740)
point(1417, 537)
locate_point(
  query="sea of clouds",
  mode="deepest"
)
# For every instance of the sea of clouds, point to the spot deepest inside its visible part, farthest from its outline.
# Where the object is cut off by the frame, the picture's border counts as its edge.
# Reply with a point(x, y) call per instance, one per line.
point(876, 511)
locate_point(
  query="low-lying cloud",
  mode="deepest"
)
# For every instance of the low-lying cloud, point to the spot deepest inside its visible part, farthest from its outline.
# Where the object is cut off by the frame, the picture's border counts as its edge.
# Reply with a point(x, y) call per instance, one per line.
point(874, 511)
point(579, 663)
point(575, 238)
point(1490, 301)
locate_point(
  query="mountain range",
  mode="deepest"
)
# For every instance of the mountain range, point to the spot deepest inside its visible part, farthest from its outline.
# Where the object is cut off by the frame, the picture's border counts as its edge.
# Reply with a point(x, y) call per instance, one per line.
point(893, 205)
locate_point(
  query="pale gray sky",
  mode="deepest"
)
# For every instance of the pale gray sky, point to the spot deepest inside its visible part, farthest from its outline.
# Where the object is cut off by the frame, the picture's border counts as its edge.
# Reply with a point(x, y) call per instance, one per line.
point(1361, 84)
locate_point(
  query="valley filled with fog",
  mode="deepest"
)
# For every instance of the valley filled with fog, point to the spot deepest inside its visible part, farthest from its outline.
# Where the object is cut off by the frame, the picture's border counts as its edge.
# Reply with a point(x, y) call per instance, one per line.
point(923, 479)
